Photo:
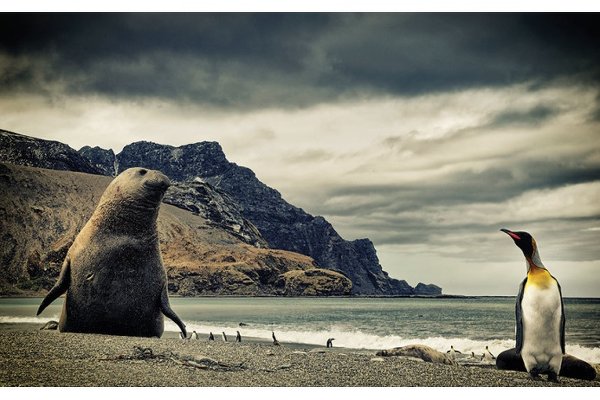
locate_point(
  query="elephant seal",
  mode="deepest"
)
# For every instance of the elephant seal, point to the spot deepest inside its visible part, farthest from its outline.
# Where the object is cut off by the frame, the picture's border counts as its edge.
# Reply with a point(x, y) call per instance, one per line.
point(420, 351)
point(113, 275)
point(571, 367)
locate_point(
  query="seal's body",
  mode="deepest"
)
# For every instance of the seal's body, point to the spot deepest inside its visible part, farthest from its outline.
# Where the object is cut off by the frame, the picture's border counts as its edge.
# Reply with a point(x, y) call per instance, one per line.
point(113, 273)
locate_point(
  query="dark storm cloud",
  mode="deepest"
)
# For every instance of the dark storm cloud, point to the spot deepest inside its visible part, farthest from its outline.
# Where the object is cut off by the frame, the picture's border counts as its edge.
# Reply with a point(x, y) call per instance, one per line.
point(254, 60)
point(534, 116)
point(595, 115)
point(494, 185)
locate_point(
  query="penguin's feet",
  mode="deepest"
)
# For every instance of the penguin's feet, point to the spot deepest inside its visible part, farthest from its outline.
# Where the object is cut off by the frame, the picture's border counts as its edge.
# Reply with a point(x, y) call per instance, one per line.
point(552, 377)
point(535, 375)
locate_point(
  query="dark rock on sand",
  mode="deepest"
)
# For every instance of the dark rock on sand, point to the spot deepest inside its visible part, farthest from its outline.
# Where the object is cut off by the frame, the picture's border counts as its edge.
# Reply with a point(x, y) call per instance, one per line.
point(420, 351)
point(50, 326)
point(571, 367)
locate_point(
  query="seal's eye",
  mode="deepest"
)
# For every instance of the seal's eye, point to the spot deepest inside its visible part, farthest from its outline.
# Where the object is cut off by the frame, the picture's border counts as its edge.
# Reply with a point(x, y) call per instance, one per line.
point(142, 172)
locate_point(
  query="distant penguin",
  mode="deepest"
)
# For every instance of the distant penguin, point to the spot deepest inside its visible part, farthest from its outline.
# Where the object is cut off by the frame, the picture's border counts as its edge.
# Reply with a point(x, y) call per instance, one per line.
point(540, 313)
point(242, 324)
point(275, 341)
point(452, 352)
point(224, 337)
point(194, 335)
point(473, 357)
point(330, 342)
point(487, 355)
point(211, 336)
point(238, 338)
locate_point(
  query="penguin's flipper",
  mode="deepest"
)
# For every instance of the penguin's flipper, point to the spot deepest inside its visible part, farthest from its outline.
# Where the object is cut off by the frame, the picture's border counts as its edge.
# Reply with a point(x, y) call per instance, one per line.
point(169, 313)
point(60, 287)
point(562, 319)
point(519, 315)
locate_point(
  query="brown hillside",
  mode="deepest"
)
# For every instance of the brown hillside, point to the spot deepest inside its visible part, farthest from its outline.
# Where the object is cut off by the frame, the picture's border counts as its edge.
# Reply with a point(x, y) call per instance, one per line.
point(43, 210)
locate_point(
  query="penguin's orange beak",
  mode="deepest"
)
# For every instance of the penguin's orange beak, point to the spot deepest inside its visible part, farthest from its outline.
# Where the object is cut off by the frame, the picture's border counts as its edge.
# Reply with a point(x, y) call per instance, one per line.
point(511, 234)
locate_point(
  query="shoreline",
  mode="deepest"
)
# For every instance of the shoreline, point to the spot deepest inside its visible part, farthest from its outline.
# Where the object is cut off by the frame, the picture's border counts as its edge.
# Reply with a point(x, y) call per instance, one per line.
point(31, 357)
point(210, 296)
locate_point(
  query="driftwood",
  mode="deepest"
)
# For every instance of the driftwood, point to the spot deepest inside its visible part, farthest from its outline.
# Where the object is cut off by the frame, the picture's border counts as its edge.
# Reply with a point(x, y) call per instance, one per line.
point(146, 353)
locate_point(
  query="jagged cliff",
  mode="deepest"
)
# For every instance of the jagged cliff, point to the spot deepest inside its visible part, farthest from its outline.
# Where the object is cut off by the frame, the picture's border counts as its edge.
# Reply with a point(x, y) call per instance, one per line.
point(43, 210)
point(103, 160)
point(281, 224)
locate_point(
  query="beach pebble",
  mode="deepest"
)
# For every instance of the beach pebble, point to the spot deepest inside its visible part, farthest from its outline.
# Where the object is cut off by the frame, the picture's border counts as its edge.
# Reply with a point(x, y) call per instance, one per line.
point(101, 360)
point(413, 358)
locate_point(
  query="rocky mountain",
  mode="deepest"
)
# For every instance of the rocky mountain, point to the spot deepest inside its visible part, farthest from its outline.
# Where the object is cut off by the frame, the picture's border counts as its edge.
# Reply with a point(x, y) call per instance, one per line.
point(25, 150)
point(103, 160)
point(281, 224)
point(228, 197)
point(423, 289)
point(216, 207)
point(43, 210)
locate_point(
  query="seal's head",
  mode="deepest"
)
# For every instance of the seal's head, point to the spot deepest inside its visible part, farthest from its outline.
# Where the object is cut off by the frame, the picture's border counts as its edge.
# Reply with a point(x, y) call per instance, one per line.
point(134, 195)
point(138, 185)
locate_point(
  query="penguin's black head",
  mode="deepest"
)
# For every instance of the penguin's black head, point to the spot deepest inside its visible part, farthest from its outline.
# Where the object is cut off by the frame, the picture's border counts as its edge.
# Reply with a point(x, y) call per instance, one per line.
point(523, 240)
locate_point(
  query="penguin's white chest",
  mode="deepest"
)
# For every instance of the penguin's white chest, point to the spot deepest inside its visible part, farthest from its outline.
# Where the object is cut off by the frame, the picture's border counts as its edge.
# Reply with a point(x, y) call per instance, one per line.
point(541, 308)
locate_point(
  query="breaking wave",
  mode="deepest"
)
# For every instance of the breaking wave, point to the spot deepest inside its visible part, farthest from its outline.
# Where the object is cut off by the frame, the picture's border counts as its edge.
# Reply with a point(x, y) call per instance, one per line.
point(27, 320)
point(355, 339)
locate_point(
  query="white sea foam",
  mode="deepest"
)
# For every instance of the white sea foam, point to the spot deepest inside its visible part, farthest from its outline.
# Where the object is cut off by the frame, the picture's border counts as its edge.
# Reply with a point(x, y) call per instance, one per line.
point(355, 339)
point(27, 320)
point(345, 338)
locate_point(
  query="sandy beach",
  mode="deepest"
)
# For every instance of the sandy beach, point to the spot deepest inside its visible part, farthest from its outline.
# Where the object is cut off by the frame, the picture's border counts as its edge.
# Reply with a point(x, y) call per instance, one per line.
point(30, 357)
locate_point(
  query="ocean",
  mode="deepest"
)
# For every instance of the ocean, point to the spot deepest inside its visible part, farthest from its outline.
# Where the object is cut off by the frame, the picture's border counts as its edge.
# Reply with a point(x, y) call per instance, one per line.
point(468, 324)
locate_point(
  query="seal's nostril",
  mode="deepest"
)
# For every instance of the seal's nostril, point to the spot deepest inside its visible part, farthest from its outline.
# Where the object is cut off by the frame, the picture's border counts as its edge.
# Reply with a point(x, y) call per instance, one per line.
point(143, 171)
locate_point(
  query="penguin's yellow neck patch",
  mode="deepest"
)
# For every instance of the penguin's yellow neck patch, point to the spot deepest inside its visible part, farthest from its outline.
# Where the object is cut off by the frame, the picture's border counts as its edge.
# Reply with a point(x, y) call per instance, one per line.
point(539, 277)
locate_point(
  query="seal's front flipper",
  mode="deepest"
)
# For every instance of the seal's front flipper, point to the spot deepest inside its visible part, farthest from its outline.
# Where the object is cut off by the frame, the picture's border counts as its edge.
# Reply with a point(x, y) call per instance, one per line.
point(166, 309)
point(60, 287)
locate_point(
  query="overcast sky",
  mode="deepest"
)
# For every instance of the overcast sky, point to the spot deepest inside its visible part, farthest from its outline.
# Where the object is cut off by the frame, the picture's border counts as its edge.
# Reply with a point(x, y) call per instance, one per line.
point(426, 133)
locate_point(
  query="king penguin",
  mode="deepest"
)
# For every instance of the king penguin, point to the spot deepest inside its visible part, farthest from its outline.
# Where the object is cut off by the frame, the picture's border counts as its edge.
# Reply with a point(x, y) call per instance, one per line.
point(540, 313)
